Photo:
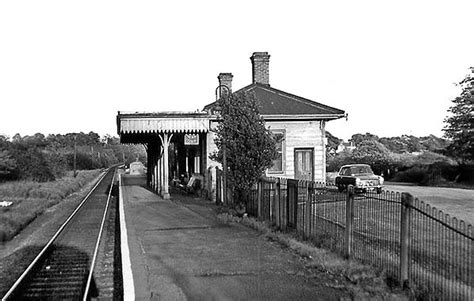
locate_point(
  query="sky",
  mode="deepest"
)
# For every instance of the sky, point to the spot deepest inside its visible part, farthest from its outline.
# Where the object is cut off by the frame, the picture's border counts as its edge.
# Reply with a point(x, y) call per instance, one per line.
point(70, 66)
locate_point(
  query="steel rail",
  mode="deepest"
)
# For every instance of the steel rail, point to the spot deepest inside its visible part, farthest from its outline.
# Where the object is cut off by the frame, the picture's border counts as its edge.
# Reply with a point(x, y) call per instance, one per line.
point(96, 249)
point(50, 242)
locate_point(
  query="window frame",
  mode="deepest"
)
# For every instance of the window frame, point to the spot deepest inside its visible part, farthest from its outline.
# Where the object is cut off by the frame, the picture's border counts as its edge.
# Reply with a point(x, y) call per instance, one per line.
point(283, 153)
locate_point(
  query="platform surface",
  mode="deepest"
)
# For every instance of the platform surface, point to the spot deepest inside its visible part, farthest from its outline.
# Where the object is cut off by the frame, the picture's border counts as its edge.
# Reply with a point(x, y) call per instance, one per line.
point(179, 250)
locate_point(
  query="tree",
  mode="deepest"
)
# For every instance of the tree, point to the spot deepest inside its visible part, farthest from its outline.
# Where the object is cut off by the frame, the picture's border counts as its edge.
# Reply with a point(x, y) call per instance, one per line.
point(460, 124)
point(4, 143)
point(394, 144)
point(250, 146)
point(433, 144)
point(32, 165)
point(93, 138)
point(332, 145)
point(359, 138)
point(373, 153)
point(8, 165)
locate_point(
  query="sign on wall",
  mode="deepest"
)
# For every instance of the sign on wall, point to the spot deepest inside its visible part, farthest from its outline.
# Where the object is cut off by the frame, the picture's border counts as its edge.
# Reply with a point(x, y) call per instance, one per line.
point(191, 139)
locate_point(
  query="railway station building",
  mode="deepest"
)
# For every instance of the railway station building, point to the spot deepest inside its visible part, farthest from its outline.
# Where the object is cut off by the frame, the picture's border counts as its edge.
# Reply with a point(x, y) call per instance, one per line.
point(178, 144)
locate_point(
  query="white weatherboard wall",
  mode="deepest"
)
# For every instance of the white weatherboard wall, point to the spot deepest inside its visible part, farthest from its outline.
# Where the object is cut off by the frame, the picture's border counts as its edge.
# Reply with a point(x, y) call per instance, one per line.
point(301, 134)
point(298, 134)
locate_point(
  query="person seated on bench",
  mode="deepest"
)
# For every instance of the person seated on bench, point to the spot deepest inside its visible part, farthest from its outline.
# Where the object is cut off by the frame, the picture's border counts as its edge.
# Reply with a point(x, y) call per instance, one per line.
point(194, 183)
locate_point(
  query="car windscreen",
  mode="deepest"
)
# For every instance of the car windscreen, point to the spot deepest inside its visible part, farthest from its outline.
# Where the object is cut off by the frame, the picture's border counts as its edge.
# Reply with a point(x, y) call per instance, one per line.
point(358, 170)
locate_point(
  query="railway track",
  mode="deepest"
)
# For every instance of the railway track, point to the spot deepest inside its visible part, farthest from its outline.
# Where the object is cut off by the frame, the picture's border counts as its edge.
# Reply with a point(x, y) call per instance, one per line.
point(64, 269)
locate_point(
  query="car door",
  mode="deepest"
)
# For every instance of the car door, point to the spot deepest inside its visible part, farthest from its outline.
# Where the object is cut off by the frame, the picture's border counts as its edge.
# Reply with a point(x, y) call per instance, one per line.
point(347, 177)
point(340, 176)
point(304, 167)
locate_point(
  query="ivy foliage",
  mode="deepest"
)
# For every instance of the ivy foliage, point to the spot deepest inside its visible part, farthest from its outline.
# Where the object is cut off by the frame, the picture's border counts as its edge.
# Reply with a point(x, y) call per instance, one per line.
point(250, 146)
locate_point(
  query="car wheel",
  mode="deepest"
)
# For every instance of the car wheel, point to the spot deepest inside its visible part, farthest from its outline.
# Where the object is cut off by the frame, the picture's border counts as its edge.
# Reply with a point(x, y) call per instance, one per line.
point(340, 188)
point(379, 190)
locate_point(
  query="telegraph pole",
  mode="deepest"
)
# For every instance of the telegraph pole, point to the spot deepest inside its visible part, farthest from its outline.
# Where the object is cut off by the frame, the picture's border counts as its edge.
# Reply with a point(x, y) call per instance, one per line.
point(92, 157)
point(75, 147)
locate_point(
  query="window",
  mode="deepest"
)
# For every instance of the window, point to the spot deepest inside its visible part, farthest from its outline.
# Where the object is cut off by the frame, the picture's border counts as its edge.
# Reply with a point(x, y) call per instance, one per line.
point(279, 162)
point(348, 172)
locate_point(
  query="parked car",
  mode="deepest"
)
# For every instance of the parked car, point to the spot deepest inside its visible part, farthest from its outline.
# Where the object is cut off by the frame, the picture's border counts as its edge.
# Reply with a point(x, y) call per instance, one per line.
point(360, 176)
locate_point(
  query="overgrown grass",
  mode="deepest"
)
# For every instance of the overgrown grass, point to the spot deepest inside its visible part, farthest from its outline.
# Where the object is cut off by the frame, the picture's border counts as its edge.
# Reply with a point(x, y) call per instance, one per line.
point(363, 281)
point(31, 199)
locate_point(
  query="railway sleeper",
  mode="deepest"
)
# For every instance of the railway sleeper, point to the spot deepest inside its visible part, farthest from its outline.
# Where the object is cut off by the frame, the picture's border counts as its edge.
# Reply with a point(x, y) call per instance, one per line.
point(57, 284)
point(53, 295)
point(68, 267)
point(45, 278)
point(62, 259)
point(64, 269)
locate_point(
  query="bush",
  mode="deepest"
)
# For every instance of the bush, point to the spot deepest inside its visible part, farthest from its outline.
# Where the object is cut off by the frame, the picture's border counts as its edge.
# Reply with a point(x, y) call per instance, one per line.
point(464, 173)
point(56, 161)
point(436, 173)
point(32, 165)
point(8, 166)
point(83, 161)
point(415, 174)
point(334, 163)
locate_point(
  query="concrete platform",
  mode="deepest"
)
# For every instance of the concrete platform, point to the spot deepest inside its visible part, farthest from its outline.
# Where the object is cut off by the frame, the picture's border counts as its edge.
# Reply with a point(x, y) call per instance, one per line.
point(177, 250)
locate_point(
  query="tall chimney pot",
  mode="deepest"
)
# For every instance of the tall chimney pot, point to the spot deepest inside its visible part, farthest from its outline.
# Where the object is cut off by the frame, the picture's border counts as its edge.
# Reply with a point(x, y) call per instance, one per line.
point(260, 68)
point(225, 79)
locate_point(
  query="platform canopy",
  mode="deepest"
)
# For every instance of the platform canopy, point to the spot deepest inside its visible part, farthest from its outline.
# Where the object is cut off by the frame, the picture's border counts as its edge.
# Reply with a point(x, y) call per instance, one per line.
point(139, 127)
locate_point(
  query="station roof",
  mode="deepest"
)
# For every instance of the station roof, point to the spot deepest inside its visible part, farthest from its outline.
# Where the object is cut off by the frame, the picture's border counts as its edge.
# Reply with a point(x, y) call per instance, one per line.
point(277, 104)
point(274, 104)
point(143, 124)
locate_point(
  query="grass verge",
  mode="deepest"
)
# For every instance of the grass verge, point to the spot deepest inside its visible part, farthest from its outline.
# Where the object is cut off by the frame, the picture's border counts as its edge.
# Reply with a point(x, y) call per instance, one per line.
point(362, 281)
point(30, 199)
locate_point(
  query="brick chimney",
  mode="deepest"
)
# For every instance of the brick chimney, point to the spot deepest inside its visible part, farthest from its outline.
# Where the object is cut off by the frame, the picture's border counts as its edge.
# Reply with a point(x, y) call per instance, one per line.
point(260, 66)
point(225, 79)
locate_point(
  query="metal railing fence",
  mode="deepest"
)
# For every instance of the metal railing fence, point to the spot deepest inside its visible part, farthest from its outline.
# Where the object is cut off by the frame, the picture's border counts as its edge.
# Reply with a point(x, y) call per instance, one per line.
point(415, 245)
point(441, 253)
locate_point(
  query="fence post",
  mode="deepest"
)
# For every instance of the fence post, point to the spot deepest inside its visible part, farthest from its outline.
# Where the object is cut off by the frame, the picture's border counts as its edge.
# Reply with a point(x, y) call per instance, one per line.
point(295, 204)
point(288, 216)
point(307, 211)
point(271, 206)
point(283, 206)
point(349, 221)
point(259, 198)
point(405, 221)
point(277, 203)
point(218, 187)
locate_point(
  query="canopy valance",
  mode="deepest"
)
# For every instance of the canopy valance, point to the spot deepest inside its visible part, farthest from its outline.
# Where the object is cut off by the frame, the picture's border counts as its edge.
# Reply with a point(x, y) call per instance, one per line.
point(142, 123)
